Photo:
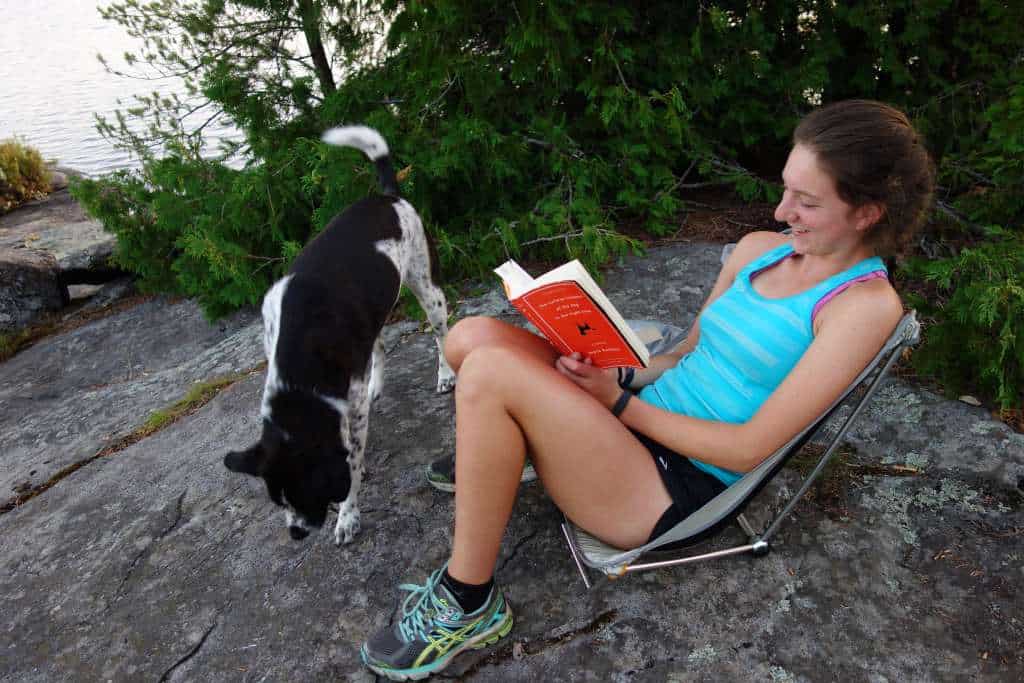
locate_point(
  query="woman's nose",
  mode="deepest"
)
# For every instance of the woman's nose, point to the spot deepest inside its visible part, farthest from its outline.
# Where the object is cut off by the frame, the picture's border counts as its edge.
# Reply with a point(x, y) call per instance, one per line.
point(784, 211)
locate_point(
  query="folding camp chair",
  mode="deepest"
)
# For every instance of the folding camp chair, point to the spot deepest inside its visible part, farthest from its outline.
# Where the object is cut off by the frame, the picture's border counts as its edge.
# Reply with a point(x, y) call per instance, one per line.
point(729, 505)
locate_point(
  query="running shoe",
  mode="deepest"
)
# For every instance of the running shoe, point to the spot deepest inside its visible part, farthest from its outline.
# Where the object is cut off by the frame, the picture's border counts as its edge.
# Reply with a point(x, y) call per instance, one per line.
point(432, 630)
point(441, 473)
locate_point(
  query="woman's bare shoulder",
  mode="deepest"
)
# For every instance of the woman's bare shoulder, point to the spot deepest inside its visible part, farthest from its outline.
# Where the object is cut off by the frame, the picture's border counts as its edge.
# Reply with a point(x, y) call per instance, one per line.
point(747, 249)
point(874, 303)
point(752, 245)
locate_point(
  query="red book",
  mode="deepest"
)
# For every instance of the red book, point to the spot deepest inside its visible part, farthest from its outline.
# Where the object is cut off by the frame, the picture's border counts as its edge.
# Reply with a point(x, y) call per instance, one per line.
point(571, 311)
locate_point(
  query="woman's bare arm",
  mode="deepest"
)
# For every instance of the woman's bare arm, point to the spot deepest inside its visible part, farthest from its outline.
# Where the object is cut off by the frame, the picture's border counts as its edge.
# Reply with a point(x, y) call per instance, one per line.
point(849, 331)
point(857, 325)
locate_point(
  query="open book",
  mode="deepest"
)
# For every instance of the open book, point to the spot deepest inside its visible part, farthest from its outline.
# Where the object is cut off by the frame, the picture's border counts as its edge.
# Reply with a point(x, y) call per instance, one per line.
point(567, 307)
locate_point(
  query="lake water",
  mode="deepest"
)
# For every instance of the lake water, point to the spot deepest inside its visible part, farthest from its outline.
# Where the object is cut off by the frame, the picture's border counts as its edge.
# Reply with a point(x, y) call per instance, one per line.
point(51, 82)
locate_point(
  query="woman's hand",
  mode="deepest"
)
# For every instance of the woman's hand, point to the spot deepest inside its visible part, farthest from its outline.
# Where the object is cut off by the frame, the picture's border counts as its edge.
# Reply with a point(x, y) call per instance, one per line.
point(601, 384)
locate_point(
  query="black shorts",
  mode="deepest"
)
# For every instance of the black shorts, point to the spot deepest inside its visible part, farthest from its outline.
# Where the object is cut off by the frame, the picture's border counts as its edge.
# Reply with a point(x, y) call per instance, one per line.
point(688, 486)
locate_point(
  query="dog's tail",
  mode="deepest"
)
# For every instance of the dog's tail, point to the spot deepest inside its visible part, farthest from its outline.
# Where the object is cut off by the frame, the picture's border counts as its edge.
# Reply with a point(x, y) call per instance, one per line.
point(372, 145)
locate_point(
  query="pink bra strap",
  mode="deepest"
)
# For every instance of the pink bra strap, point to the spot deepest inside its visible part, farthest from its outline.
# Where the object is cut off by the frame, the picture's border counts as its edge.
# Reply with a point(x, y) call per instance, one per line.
point(873, 275)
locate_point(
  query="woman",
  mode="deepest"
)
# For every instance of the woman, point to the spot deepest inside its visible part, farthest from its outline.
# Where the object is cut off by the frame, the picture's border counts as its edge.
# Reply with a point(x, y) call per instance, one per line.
point(789, 323)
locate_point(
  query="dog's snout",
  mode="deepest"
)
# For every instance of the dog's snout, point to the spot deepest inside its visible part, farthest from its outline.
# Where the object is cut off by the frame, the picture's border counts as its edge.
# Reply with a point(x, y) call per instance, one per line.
point(297, 532)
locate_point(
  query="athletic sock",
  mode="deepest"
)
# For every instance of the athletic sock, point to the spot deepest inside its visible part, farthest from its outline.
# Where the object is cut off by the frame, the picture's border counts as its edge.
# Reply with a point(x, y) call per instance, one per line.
point(470, 596)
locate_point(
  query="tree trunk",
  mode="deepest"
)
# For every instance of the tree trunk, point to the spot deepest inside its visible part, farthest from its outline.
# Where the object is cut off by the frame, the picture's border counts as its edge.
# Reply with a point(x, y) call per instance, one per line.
point(311, 27)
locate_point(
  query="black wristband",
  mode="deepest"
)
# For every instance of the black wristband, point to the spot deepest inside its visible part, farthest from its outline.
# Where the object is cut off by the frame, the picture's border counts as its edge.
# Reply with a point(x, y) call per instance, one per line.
point(626, 377)
point(620, 404)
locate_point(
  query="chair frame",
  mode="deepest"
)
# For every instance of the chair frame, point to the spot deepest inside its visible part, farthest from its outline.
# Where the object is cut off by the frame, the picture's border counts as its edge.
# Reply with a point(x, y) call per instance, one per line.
point(588, 551)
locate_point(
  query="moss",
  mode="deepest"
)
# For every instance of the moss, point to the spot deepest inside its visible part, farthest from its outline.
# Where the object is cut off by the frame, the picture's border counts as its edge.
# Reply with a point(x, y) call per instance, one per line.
point(11, 343)
point(199, 395)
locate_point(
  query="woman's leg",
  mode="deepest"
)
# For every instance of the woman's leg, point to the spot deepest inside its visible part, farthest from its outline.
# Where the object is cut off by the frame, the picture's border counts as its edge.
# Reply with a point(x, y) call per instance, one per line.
point(476, 332)
point(510, 398)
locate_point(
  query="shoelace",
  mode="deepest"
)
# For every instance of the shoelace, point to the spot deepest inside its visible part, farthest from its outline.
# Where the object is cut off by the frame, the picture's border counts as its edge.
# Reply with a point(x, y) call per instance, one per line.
point(419, 608)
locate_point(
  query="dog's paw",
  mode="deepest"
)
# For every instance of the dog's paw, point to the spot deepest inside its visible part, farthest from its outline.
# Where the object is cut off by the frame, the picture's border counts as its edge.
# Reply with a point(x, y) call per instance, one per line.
point(445, 382)
point(347, 527)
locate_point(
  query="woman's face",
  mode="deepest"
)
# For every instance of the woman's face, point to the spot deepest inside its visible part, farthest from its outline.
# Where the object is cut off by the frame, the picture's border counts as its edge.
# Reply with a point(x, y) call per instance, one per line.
point(821, 222)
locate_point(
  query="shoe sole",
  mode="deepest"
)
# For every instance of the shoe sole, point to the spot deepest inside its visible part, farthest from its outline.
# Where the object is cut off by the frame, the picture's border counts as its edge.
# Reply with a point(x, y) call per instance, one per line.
point(476, 643)
point(445, 486)
point(529, 474)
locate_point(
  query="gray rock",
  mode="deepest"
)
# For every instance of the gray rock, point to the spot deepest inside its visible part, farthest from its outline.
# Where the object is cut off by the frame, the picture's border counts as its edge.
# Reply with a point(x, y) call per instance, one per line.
point(89, 388)
point(155, 563)
point(83, 292)
point(29, 287)
point(54, 227)
point(58, 180)
point(98, 297)
point(81, 245)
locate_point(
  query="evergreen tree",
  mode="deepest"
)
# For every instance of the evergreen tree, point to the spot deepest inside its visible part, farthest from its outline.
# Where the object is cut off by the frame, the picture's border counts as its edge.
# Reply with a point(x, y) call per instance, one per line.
point(541, 127)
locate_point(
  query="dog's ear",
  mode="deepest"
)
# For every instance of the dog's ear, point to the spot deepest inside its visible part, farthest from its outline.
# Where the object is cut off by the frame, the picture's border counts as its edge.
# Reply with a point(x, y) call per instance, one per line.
point(252, 461)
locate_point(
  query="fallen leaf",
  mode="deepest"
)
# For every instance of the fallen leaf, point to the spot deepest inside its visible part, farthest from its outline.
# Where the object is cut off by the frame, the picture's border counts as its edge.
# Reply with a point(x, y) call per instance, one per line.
point(970, 400)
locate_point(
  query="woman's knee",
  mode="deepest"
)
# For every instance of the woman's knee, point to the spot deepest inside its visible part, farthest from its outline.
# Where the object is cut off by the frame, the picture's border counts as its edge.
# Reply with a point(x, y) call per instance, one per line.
point(468, 334)
point(484, 371)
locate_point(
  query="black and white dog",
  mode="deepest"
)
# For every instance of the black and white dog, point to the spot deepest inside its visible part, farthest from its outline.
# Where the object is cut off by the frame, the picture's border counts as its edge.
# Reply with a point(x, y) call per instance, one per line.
point(325, 357)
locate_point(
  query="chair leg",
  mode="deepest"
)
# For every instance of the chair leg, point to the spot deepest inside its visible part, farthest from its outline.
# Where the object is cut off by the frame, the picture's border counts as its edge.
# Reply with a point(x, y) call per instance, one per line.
point(759, 545)
point(574, 551)
point(745, 524)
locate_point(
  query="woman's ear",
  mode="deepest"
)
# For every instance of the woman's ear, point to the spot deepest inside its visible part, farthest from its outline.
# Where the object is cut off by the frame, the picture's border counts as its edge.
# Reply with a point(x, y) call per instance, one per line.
point(867, 215)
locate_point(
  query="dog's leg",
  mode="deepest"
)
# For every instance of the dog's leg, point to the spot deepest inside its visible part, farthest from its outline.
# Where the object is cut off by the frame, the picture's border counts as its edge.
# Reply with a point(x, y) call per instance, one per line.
point(377, 374)
point(347, 526)
point(437, 314)
point(412, 256)
point(432, 300)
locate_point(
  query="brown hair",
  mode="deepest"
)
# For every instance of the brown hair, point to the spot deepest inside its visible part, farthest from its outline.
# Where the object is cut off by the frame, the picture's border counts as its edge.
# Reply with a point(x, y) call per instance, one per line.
point(874, 155)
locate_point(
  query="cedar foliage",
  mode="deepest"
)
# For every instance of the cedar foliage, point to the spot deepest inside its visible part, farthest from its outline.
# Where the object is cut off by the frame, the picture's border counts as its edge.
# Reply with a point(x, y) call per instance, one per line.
point(534, 129)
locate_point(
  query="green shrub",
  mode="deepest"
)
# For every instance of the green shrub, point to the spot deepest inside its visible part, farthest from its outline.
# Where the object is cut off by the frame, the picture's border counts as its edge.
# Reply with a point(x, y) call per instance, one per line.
point(975, 342)
point(987, 177)
point(200, 229)
point(535, 130)
point(23, 174)
point(976, 337)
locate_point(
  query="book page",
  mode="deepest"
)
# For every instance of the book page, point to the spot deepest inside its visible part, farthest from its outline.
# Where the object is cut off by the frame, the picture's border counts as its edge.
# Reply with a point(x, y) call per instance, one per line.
point(515, 279)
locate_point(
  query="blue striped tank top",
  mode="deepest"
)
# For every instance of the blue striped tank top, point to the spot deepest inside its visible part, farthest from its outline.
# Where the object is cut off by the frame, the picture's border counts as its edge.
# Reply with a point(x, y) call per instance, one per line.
point(747, 346)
